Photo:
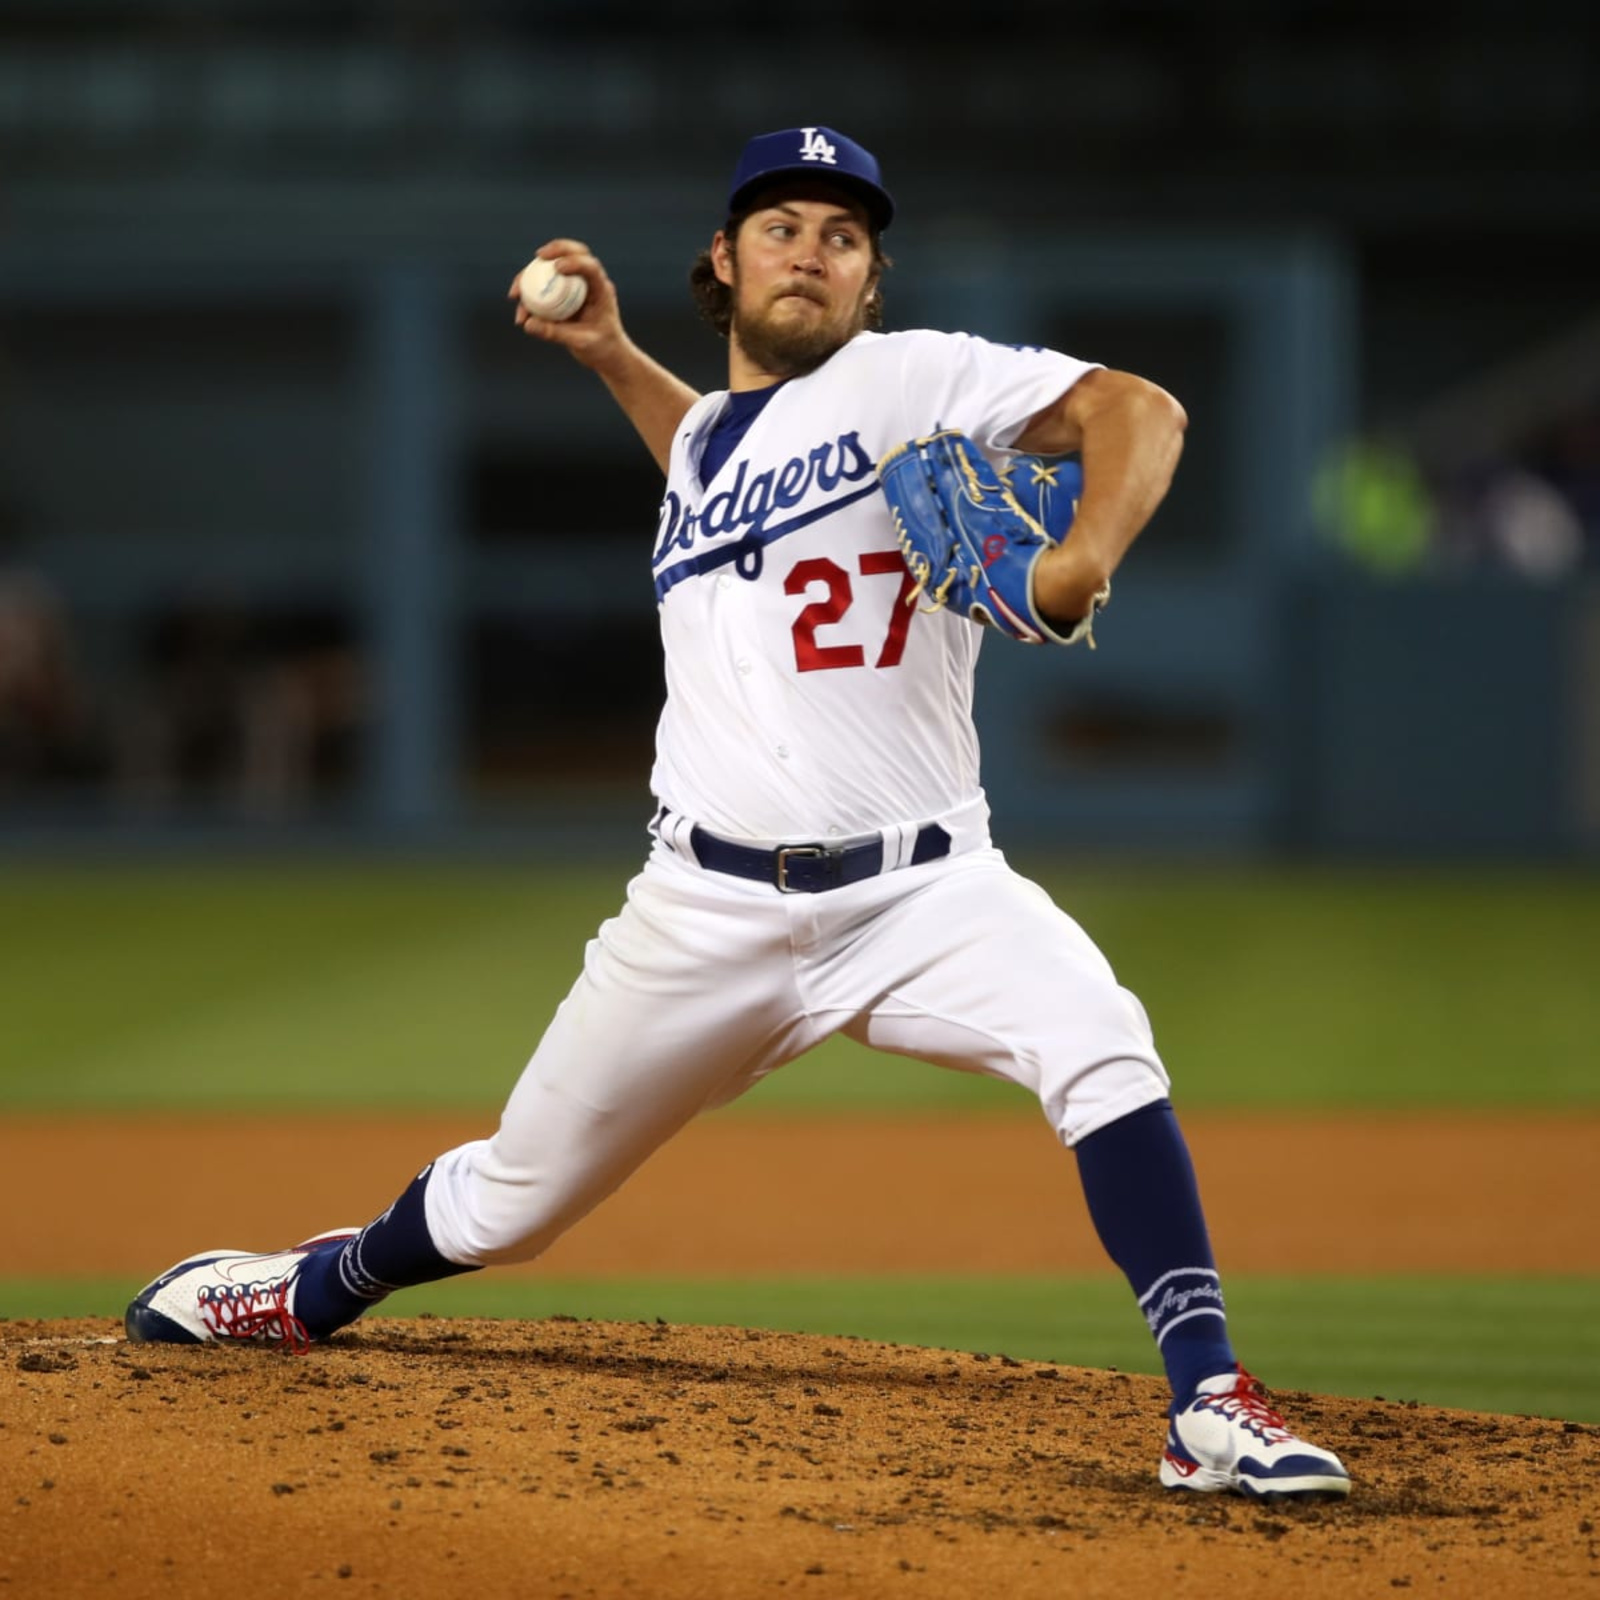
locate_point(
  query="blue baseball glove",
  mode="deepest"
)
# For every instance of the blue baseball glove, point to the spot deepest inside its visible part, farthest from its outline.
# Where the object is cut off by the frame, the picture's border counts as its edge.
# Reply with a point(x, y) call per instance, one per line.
point(972, 539)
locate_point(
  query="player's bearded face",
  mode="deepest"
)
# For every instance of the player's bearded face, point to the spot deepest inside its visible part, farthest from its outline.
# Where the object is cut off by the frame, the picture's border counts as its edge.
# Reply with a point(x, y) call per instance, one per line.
point(797, 300)
point(793, 329)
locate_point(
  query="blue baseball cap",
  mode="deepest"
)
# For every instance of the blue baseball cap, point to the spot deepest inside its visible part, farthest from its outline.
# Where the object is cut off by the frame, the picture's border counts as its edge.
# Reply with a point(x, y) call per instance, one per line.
point(814, 153)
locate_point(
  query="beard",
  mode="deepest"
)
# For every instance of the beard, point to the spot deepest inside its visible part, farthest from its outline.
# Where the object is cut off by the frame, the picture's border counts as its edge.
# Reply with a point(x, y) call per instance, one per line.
point(789, 346)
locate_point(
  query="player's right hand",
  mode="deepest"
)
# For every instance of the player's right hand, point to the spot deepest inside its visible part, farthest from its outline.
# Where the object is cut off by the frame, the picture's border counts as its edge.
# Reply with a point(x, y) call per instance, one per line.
point(595, 332)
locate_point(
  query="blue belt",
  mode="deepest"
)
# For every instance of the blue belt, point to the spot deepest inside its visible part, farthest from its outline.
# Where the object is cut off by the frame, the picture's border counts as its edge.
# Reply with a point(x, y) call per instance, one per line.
point(810, 868)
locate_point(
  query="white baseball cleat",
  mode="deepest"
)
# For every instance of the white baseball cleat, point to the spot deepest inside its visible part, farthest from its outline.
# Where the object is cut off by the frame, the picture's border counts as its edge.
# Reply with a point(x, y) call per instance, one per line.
point(228, 1294)
point(1229, 1438)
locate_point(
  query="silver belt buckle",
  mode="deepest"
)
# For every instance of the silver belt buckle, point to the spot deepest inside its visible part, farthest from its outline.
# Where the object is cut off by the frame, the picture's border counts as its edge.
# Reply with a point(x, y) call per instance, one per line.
point(813, 852)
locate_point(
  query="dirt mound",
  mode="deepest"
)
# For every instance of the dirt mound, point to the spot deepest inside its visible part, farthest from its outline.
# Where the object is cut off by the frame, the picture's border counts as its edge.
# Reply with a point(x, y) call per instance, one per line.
point(588, 1460)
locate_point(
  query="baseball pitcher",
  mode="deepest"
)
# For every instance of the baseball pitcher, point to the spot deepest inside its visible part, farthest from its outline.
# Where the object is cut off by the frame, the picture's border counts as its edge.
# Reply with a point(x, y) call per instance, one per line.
point(840, 527)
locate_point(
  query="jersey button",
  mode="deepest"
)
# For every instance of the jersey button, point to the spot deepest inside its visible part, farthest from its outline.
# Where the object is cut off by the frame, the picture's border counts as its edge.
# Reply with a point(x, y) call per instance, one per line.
point(744, 666)
point(782, 752)
point(723, 581)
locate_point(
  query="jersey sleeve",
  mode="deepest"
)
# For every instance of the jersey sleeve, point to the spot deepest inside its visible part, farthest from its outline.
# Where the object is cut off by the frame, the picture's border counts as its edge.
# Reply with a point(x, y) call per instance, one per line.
point(989, 391)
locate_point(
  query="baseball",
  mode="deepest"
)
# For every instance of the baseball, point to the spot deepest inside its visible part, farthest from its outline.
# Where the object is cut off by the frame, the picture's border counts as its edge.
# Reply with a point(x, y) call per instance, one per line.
point(551, 294)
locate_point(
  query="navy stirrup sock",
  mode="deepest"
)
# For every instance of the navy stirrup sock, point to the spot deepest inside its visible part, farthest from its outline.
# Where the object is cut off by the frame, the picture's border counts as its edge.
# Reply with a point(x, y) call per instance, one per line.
point(1145, 1204)
point(394, 1252)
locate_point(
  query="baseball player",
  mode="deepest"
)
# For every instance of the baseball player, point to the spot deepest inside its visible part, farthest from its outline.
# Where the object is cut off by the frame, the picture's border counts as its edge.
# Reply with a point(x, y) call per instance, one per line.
point(834, 531)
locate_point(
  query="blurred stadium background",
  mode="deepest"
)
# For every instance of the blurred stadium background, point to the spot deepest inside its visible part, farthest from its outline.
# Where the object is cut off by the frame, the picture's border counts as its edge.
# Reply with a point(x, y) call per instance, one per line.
point(296, 534)
point(305, 552)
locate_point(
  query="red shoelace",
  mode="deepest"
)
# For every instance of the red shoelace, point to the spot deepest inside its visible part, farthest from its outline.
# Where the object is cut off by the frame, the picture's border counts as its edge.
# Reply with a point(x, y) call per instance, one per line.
point(1246, 1401)
point(255, 1311)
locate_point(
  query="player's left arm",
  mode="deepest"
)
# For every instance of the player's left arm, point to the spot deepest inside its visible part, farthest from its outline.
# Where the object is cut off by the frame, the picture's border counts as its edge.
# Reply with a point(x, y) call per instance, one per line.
point(1129, 434)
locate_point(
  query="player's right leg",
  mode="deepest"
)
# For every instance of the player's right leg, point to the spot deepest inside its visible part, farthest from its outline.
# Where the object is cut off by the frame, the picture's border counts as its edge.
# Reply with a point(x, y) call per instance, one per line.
point(685, 997)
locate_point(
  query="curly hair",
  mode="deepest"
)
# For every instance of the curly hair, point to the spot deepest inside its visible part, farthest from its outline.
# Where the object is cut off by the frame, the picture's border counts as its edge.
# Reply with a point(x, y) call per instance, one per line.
point(714, 299)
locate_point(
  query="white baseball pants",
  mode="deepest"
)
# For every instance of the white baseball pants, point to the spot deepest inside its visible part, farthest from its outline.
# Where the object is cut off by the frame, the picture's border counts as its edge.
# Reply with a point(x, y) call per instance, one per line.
point(705, 983)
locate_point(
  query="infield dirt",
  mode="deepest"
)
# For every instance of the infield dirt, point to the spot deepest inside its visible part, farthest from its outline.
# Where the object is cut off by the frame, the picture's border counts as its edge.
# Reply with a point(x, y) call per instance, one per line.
point(590, 1460)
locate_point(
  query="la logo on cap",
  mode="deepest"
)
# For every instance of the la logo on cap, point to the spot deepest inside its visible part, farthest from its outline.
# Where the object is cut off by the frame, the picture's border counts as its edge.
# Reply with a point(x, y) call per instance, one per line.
point(813, 147)
point(822, 152)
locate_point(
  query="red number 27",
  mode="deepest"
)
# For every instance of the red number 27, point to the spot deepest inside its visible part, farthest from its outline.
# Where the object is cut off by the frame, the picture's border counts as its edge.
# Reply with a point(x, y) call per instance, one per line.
point(809, 656)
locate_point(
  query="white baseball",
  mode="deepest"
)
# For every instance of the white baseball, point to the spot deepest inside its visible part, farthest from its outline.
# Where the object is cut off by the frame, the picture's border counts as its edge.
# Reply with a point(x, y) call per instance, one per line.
point(551, 294)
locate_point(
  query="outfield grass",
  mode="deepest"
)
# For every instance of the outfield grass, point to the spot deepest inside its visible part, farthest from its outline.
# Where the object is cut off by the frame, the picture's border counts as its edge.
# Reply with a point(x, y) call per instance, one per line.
point(1510, 1346)
point(325, 985)
point(317, 984)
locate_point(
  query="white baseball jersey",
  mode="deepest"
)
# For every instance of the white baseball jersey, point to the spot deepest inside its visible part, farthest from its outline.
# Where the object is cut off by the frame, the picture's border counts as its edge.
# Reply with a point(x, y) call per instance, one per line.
point(806, 701)
point(805, 698)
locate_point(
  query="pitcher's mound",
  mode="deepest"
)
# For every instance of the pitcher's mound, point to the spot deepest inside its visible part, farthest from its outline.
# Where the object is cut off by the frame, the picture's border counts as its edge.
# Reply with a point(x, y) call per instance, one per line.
point(585, 1459)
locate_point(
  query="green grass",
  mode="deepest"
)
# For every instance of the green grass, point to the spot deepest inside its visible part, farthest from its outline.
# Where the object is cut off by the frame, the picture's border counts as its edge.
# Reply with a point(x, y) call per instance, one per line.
point(1509, 1346)
point(391, 987)
point(317, 984)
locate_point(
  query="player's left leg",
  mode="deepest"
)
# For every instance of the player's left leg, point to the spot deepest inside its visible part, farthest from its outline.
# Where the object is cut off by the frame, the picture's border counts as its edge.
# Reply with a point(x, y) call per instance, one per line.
point(981, 971)
point(1139, 1182)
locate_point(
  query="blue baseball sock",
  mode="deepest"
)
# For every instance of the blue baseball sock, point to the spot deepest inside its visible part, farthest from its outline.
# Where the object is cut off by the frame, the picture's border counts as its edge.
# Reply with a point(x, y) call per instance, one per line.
point(1145, 1204)
point(394, 1252)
